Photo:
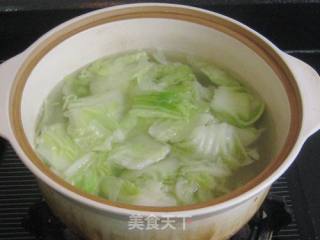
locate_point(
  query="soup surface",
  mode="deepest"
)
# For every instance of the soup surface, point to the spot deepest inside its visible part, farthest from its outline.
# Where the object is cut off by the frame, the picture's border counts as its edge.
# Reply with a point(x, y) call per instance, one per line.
point(151, 128)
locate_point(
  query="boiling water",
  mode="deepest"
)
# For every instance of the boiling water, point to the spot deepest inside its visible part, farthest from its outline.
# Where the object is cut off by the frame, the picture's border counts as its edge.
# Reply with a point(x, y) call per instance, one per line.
point(54, 112)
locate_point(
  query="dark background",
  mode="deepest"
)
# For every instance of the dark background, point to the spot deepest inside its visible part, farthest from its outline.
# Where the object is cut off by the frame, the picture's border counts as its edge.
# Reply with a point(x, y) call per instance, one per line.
point(294, 26)
point(291, 25)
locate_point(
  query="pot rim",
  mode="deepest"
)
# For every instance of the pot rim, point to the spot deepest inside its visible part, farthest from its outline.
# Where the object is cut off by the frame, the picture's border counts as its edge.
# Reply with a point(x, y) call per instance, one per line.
point(264, 48)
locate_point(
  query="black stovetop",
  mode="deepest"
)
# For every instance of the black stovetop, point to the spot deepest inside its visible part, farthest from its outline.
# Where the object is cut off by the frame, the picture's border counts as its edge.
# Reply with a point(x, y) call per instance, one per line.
point(292, 25)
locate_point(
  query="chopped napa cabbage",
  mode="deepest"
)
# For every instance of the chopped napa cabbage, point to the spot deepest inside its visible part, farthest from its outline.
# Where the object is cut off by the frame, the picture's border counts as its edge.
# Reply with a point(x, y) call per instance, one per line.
point(195, 187)
point(219, 142)
point(154, 193)
point(144, 129)
point(204, 119)
point(253, 153)
point(56, 148)
point(160, 76)
point(158, 178)
point(118, 189)
point(171, 130)
point(207, 166)
point(248, 135)
point(77, 84)
point(117, 73)
point(78, 164)
point(163, 170)
point(186, 190)
point(93, 119)
point(116, 64)
point(52, 110)
point(215, 74)
point(139, 152)
point(175, 103)
point(159, 57)
point(100, 76)
point(165, 130)
point(127, 126)
point(201, 92)
point(236, 106)
point(218, 76)
point(201, 180)
point(88, 172)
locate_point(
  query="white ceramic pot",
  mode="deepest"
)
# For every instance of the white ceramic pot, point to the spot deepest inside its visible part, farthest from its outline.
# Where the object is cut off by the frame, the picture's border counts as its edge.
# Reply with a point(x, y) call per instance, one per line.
point(289, 87)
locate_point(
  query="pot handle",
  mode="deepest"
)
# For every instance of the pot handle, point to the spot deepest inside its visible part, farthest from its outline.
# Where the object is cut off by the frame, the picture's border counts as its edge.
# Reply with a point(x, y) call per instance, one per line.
point(309, 84)
point(8, 70)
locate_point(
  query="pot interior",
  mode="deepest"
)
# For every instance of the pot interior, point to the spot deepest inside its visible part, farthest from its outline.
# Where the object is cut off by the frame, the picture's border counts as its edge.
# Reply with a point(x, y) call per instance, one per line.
point(215, 41)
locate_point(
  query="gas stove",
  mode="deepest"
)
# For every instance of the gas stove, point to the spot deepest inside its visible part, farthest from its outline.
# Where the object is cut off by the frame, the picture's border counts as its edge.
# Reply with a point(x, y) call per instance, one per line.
point(272, 221)
point(292, 209)
point(25, 215)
